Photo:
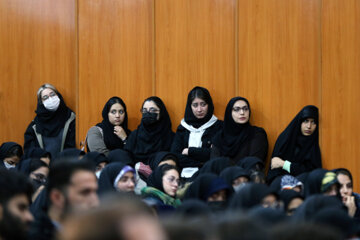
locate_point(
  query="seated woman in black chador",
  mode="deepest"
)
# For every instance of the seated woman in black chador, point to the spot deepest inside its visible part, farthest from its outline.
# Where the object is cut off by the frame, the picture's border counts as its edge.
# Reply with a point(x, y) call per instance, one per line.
point(112, 132)
point(297, 149)
point(193, 136)
point(238, 138)
point(154, 133)
point(53, 128)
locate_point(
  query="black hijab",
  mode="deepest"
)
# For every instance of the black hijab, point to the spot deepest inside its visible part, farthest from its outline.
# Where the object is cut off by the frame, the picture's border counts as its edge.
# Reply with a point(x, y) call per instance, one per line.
point(96, 158)
point(249, 196)
point(205, 185)
point(229, 174)
point(50, 123)
point(108, 175)
point(215, 165)
point(233, 135)
point(4, 150)
point(293, 146)
point(287, 196)
point(154, 137)
point(155, 178)
point(202, 93)
point(111, 140)
point(162, 156)
point(120, 155)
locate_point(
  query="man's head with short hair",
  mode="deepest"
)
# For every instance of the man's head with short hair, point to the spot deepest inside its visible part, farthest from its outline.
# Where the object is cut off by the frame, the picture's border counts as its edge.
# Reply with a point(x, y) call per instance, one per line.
point(15, 198)
point(72, 186)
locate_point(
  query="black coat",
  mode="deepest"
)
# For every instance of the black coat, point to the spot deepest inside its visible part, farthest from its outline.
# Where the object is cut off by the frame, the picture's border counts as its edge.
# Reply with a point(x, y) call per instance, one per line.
point(197, 156)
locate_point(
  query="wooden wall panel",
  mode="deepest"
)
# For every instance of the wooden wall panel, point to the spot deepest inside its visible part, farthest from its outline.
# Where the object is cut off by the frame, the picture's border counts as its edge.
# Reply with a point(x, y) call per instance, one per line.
point(195, 45)
point(279, 66)
point(115, 57)
point(37, 45)
point(341, 85)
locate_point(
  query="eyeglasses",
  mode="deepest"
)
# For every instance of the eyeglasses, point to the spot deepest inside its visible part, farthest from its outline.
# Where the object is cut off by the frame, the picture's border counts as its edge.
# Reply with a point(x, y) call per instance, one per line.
point(121, 112)
point(40, 177)
point(238, 109)
point(45, 97)
point(151, 110)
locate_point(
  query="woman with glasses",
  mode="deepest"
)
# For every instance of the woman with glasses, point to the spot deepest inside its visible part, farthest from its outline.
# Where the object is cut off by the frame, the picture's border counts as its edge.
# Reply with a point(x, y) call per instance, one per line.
point(297, 148)
point(161, 189)
point(154, 133)
point(113, 131)
point(193, 136)
point(238, 138)
point(53, 128)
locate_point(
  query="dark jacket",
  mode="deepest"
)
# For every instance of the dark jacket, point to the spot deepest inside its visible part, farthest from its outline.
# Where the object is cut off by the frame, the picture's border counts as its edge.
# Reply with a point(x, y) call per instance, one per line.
point(197, 156)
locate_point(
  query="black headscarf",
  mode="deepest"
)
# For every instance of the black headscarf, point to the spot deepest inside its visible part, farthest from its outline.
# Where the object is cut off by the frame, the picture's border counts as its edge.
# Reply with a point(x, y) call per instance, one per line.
point(287, 196)
point(96, 158)
point(230, 139)
point(155, 178)
point(313, 182)
point(4, 150)
point(162, 156)
point(251, 164)
point(111, 140)
point(215, 165)
point(50, 123)
point(155, 137)
point(249, 196)
point(108, 175)
point(189, 115)
point(120, 155)
point(293, 146)
point(205, 185)
point(229, 174)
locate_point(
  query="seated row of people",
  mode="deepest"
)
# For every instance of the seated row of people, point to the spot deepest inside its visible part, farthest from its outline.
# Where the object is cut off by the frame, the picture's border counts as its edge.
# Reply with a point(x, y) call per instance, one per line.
point(199, 137)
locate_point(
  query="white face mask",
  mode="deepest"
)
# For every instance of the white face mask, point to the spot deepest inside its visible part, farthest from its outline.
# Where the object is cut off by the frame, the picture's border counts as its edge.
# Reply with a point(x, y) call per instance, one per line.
point(239, 187)
point(8, 166)
point(52, 103)
point(98, 174)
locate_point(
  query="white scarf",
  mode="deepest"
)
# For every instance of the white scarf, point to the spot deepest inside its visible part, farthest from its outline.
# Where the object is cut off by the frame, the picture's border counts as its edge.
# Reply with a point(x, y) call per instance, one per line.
point(196, 133)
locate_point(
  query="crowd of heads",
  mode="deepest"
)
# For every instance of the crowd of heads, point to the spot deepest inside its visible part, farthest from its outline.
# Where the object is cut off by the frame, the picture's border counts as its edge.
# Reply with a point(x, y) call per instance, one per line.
point(138, 188)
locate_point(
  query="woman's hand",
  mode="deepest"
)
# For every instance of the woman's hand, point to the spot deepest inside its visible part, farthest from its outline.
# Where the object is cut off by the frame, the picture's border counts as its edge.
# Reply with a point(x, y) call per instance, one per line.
point(185, 151)
point(119, 131)
point(349, 202)
point(277, 162)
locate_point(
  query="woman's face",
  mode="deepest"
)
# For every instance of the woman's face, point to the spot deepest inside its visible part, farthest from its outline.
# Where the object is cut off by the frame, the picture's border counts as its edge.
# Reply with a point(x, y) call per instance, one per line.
point(151, 107)
point(13, 161)
point(199, 108)
point(47, 93)
point(293, 205)
point(240, 180)
point(116, 114)
point(126, 182)
point(240, 112)
point(346, 188)
point(219, 196)
point(40, 174)
point(308, 127)
point(170, 182)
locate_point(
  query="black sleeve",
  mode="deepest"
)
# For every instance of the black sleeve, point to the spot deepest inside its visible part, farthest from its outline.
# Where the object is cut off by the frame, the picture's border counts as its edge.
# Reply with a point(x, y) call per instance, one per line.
point(30, 141)
point(307, 165)
point(178, 143)
point(131, 141)
point(200, 154)
point(70, 136)
point(259, 145)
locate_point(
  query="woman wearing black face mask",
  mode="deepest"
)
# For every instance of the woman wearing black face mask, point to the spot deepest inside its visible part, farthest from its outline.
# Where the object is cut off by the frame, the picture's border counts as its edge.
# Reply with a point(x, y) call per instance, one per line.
point(154, 133)
point(53, 128)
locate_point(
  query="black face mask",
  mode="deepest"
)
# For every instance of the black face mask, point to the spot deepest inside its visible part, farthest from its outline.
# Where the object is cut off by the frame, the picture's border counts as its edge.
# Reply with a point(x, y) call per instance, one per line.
point(149, 118)
point(36, 184)
point(217, 206)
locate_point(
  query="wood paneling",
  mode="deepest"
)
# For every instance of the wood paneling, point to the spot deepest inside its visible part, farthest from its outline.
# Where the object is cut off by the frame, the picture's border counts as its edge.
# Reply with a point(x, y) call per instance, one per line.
point(195, 45)
point(37, 45)
point(279, 52)
point(115, 57)
point(341, 85)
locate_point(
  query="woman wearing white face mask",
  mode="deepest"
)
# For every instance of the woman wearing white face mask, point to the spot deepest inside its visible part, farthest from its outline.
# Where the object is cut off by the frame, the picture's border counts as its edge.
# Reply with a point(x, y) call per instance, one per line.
point(53, 128)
